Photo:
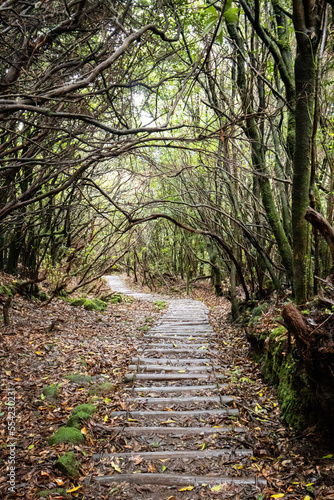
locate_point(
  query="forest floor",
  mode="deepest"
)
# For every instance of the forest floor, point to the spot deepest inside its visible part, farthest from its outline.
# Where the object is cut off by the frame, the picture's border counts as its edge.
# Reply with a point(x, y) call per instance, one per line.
point(47, 342)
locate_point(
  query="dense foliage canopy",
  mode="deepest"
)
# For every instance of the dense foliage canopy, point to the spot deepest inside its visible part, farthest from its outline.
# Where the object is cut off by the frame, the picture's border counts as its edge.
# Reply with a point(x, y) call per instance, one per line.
point(177, 137)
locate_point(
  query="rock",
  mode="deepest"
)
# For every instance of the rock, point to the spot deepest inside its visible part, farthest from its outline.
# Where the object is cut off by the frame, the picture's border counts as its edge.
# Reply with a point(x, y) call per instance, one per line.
point(68, 464)
point(66, 435)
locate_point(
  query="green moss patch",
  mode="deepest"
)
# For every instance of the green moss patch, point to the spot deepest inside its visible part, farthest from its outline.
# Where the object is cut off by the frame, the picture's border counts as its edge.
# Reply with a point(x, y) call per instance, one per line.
point(79, 378)
point(79, 414)
point(53, 492)
point(78, 302)
point(95, 305)
point(281, 367)
point(51, 391)
point(68, 464)
point(160, 304)
point(104, 389)
point(86, 407)
point(66, 435)
point(116, 298)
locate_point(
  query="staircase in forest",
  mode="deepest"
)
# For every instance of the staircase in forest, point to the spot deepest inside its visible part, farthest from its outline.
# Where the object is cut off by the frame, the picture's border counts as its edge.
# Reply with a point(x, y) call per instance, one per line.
point(180, 431)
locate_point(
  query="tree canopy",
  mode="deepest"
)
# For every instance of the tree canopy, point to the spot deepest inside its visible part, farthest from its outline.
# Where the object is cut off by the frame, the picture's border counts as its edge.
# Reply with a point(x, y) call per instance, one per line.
point(176, 137)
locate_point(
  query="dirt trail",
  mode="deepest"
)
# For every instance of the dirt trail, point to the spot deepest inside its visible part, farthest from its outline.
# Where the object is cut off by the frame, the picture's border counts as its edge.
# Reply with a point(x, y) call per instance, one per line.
point(178, 422)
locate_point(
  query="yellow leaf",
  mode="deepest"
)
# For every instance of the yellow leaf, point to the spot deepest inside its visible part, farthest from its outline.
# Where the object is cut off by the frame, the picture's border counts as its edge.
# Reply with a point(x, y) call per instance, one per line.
point(219, 487)
point(75, 488)
point(216, 426)
point(182, 371)
point(59, 481)
point(163, 459)
point(116, 467)
point(105, 419)
point(151, 467)
point(187, 488)
point(18, 379)
point(278, 495)
point(307, 497)
point(132, 420)
point(84, 431)
point(7, 372)
point(169, 421)
point(39, 353)
point(203, 446)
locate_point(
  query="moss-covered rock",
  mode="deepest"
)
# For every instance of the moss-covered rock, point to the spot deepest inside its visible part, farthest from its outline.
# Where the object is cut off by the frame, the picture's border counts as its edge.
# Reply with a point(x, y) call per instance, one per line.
point(78, 302)
point(89, 305)
point(76, 420)
point(79, 378)
point(79, 414)
point(86, 407)
point(51, 391)
point(258, 310)
point(68, 464)
point(116, 298)
point(104, 389)
point(101, 304)
point(281, 367)
point(66, 435)
point(42, 296)
point(53, 492)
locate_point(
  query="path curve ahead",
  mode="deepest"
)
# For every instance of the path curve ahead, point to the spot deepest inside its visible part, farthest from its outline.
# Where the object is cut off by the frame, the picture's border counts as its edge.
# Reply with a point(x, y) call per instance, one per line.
point(180, 429)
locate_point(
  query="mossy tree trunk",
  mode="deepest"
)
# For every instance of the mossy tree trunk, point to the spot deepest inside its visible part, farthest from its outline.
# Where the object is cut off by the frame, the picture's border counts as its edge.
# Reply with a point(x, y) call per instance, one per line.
point(306, 18)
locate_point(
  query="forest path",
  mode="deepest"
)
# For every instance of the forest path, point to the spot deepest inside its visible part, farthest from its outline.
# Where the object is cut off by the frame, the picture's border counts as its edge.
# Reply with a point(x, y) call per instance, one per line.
point(180, 430)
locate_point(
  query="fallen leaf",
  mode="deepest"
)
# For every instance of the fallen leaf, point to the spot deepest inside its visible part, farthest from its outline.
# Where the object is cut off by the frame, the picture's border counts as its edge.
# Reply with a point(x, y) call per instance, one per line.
point(84, 431)
point(278, 495)
point(169, 421)
point(151, 467)
point(59, 481)
point(116, 467)
point(132, 420)
point(136, 460)
point(75, 488)
point(187, 488)
point(219, 487)
point(39, 353)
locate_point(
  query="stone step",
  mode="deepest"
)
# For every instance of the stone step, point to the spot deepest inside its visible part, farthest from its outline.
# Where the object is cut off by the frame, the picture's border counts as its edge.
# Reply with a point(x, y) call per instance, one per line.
point(222, 412)
point(171, 345)
point(131, 377)
point(176, 350)
point(178, 332)
point(141, 361)
point(182, 400)
point(175, 388)
point(180, 480)
point(170, 368)
point(187, 454)
point(180, 431)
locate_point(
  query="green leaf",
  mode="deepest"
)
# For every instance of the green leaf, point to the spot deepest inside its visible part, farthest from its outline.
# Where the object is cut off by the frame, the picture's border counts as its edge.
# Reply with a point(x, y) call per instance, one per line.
point(231, 15)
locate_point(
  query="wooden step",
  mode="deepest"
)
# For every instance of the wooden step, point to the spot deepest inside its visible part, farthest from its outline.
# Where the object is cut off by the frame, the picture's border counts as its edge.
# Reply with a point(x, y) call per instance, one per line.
point(194, 455)
point(180, 480)
point(170, 368)
point(221, 412)
point(142, 361)
point(182, 400)
point(174, 388)
point(130, 377)
point(180, 431)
